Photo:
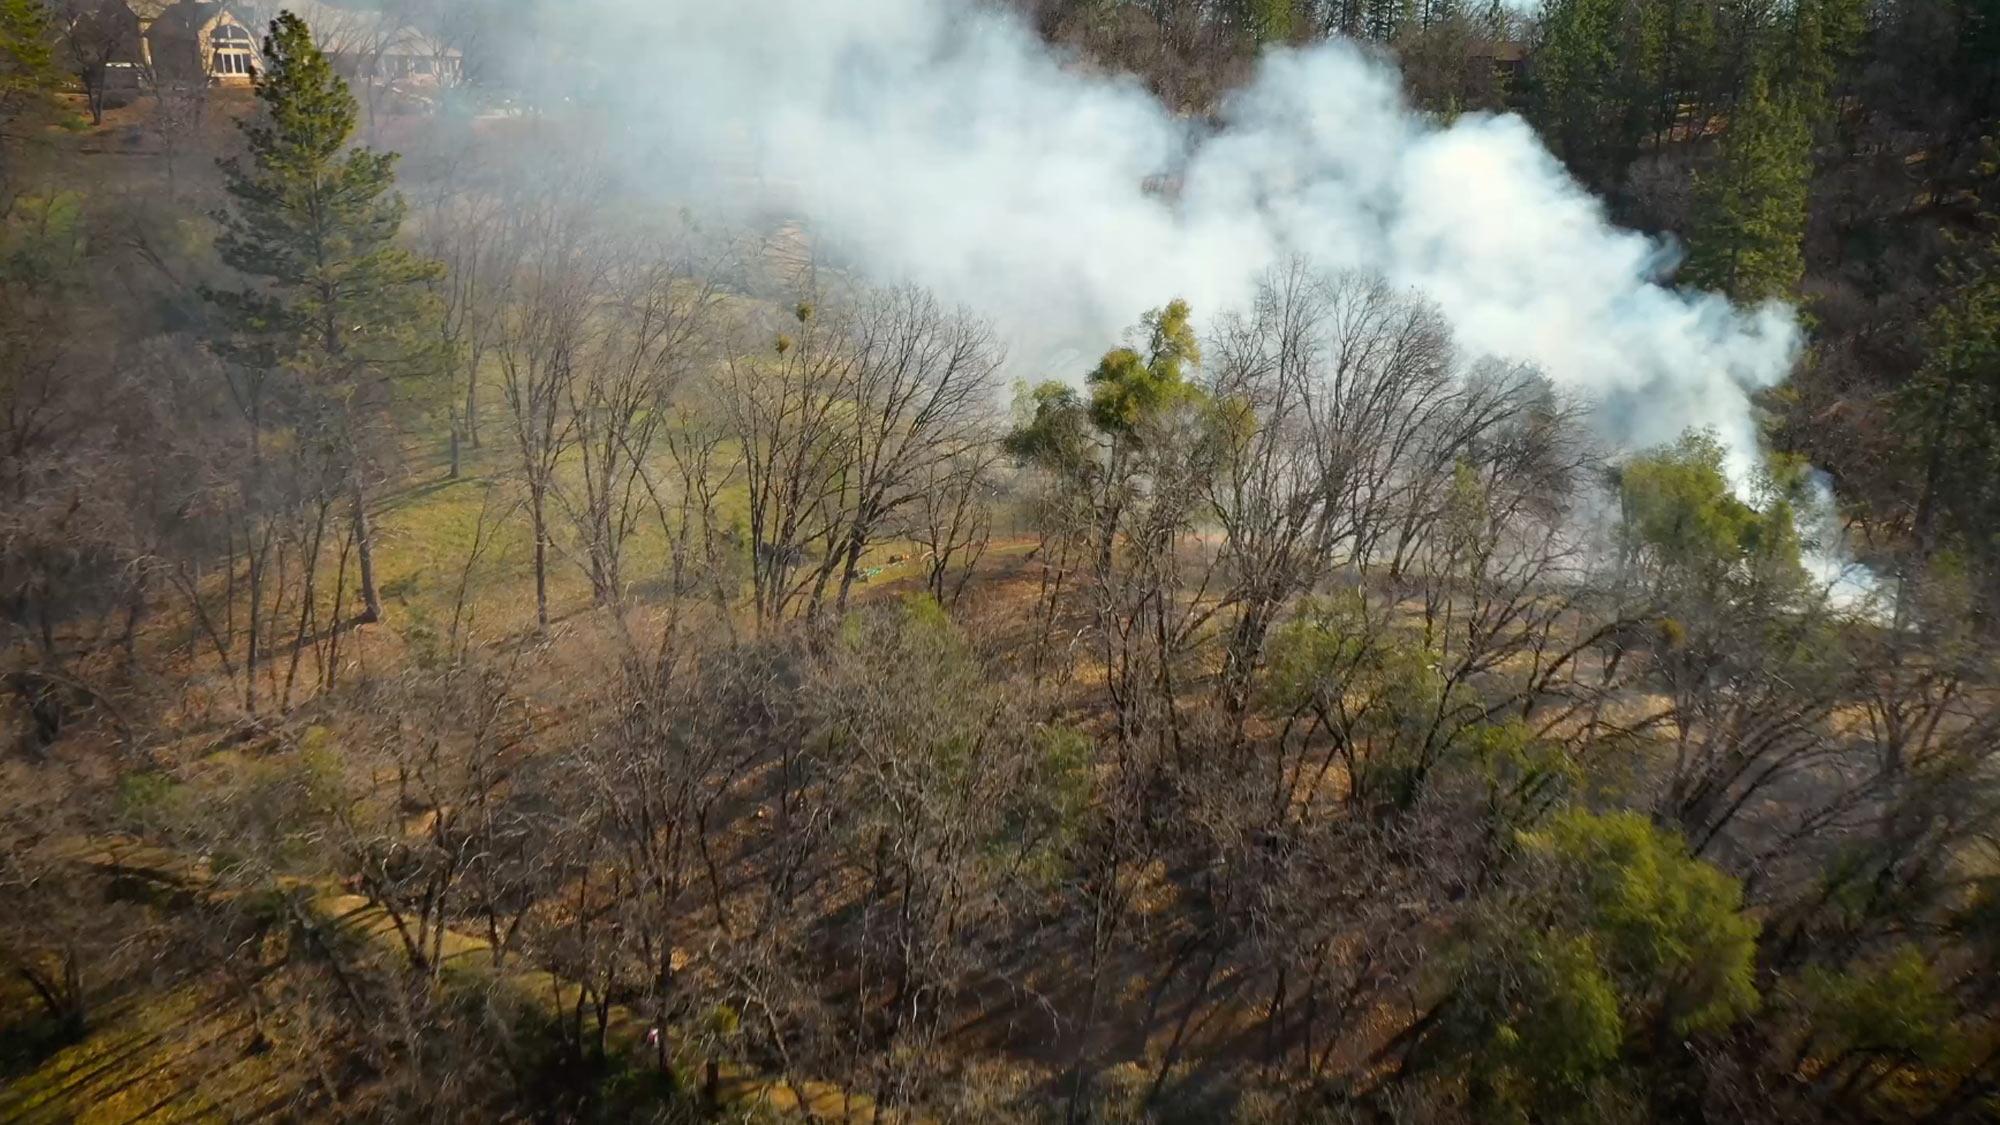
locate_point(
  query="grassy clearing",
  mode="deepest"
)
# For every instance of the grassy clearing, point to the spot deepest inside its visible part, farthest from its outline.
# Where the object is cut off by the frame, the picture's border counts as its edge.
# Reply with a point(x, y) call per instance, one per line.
point(162, 1056)
point(184, 1054)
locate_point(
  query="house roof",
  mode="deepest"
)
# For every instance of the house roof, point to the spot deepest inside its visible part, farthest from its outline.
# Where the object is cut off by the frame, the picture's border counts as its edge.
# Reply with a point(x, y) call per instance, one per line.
point(360, 31)
point(1505, 50)
point(191, 15)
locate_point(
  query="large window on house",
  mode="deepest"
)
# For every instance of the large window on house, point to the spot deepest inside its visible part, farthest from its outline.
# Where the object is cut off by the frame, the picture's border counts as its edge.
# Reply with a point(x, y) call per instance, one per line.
point(232, 48)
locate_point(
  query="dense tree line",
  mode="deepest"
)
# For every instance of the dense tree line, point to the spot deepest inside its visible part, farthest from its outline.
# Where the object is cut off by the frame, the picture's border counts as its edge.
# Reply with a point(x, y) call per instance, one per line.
point(1289, 717)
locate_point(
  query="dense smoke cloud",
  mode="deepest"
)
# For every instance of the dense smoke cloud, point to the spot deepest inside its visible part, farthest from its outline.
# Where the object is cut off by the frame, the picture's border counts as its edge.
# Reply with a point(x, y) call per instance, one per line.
point(940, 142)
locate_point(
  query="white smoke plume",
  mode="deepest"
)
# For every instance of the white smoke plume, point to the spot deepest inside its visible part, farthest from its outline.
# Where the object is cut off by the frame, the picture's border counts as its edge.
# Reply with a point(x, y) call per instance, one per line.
point(941, 142)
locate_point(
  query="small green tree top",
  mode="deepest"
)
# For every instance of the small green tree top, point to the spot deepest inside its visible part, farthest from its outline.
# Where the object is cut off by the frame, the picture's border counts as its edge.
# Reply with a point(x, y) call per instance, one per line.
point(1681, 515)
point(1272, 21)
point(1126, 386)
point(1059, 429)
point(1613, 929)
point(42, 242)
point(1561, 1029)
point(1893, 1006)
point(1051, 426)
point(1670, 926)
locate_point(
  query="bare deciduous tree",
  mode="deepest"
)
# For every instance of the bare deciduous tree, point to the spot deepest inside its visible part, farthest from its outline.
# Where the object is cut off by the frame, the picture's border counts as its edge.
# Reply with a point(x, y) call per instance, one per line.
point(545, 336)
point(659, 310)
point(96, 34)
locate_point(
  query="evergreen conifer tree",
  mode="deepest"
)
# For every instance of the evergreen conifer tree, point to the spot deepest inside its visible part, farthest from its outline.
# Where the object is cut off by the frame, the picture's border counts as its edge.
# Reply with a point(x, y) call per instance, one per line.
point(334, 300)
point(1954, 403)
point(1577, 63)
point(1750, 209)
point(27, 66)
point(27, 56)
point(1815, 39)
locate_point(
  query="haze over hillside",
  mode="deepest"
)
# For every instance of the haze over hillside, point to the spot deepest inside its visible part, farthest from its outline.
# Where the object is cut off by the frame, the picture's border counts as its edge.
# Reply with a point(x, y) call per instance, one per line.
point(944, 144)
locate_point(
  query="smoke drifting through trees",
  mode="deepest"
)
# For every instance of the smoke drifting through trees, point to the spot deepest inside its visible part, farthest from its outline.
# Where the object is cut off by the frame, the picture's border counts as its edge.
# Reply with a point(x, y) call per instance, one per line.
point(943, 143)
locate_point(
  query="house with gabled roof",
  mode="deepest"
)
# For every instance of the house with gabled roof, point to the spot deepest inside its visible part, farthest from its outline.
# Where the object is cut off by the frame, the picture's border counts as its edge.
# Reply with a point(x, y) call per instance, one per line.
point(372, 47)
point(186, 40)
point(217, 42)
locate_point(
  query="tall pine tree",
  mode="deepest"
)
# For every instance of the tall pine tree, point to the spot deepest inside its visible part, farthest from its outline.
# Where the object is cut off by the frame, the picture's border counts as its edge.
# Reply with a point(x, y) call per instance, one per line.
point(1954, 406)
point(334, 300)
point(1750, 208)
point(27, 58)
point(1574, 103)
point(1811, 45)
point(1682, 60)
point(27, 68)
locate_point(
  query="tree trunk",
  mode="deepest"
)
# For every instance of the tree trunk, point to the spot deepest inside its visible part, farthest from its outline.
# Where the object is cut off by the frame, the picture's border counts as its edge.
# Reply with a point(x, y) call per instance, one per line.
point(135, 610)
point(250, 653)
point(849, 569)
point(472, 405)
point(604, 579)
point(364, 553)
point(541, 559)
point(61, 1000)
